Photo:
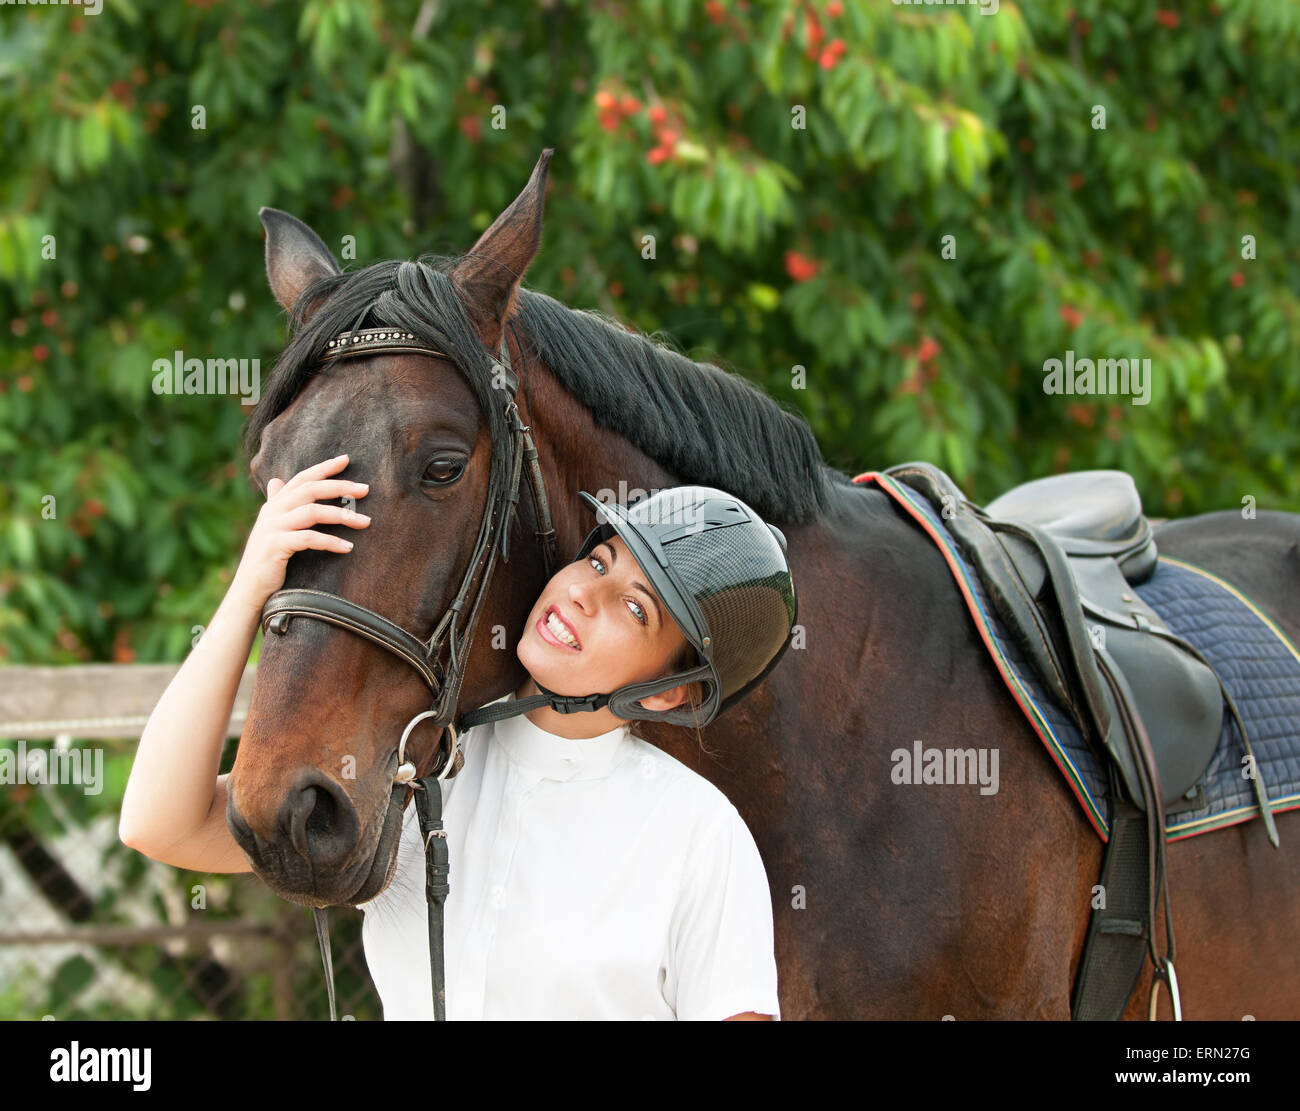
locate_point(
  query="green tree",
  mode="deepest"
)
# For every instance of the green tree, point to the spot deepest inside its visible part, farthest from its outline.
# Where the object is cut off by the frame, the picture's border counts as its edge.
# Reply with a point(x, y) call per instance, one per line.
point(774, 185)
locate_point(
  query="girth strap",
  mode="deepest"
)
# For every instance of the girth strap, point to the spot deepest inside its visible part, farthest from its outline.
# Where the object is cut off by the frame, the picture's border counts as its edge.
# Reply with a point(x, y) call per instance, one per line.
point(1115, 948)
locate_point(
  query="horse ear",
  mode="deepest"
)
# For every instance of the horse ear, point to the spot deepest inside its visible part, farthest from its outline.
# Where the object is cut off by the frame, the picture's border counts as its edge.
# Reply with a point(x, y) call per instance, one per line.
point(489, 275)
point(295, 256)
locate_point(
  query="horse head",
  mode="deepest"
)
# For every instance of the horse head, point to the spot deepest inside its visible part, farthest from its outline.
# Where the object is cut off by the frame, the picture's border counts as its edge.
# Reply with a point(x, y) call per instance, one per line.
point(312, 798)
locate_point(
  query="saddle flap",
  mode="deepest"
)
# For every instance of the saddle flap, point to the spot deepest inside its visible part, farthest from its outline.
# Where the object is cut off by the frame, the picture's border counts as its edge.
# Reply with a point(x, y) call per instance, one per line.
point(1177, 696)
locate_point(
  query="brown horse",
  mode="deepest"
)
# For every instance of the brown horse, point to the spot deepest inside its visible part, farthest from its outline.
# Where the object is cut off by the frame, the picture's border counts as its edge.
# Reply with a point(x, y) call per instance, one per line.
point(890, 901)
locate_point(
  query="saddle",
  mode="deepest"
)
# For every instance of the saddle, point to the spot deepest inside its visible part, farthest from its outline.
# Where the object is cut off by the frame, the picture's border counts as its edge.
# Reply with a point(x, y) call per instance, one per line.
point(1058, 558)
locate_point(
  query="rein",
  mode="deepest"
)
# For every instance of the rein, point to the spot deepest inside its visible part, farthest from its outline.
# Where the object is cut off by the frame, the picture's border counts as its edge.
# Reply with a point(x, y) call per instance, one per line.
point(453, 636)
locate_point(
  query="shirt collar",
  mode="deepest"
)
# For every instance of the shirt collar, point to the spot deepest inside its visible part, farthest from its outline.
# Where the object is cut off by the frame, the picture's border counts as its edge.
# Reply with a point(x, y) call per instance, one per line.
point(553, 757)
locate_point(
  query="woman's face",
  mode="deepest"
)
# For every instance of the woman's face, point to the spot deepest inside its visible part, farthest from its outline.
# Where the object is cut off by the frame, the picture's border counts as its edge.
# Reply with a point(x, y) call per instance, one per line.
point(622, 631)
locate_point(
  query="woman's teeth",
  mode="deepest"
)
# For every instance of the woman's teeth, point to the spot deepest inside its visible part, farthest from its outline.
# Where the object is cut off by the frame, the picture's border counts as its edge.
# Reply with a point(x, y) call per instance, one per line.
point(557, 629)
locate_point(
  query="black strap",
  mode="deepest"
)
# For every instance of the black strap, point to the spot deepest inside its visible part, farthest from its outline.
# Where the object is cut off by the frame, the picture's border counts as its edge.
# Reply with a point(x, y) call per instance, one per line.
point(560, 703)
point(1115, 949)
point(428, 803)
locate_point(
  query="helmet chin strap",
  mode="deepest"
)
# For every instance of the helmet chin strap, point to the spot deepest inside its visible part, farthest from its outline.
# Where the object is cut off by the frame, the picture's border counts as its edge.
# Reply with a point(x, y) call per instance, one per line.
point(560, 703)
point(575, 703)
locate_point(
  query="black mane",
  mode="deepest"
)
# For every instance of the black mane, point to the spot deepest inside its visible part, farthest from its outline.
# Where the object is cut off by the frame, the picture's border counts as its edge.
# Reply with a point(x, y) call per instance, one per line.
point(706, 425)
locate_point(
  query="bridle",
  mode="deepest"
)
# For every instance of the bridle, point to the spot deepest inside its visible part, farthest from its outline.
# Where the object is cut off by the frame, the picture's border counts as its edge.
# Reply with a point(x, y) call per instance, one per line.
point(453, 635)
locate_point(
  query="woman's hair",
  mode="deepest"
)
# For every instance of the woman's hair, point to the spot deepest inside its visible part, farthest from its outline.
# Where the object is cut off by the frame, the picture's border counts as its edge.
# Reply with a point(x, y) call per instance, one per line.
point(684, 659)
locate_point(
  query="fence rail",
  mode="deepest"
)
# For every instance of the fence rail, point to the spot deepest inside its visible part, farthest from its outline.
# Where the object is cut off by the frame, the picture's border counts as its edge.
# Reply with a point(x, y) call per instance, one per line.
point(94, 701)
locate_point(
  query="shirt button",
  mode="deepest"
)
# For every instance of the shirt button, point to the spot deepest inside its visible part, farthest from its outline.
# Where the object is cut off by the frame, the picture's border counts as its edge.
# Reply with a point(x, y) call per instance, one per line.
point(570, 759)
point(498, 897)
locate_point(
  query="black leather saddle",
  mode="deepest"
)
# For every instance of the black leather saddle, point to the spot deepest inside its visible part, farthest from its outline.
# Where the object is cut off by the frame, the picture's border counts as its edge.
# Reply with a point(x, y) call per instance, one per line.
point(1059, 557)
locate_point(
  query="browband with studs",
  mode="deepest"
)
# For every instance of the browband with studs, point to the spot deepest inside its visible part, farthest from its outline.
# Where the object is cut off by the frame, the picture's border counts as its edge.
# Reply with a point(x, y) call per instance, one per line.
point(369, 340)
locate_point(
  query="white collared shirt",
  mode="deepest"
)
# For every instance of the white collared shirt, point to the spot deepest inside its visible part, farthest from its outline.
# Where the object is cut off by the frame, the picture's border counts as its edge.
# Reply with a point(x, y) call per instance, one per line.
point(590, 879)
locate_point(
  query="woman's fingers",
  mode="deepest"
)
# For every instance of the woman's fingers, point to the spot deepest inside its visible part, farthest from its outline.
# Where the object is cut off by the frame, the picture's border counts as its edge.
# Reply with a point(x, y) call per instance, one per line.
point(321, 470)
point(322, 490)
point(273, 487)
point(300, 539)
point(313, 513)
point(286, 499)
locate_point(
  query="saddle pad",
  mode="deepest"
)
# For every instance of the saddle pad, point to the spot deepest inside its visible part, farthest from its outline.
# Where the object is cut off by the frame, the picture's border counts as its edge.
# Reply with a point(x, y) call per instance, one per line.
point(1257, 664)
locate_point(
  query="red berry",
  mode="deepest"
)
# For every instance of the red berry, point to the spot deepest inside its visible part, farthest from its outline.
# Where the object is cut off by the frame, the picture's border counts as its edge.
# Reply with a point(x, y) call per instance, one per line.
point(604, 100)
point(40, 352)
point(658, 114)
point(1238, 279)
point(629, 105)
point(1072, 316)
point(813, 29)
point(835, 9)
point(800, 267)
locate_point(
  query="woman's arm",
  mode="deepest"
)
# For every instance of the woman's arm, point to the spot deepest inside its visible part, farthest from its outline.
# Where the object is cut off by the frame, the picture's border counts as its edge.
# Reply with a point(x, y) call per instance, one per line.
point(174, 808)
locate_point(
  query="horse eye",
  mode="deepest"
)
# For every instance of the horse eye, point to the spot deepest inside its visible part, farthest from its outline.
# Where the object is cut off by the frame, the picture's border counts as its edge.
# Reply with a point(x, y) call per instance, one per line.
point(444, 470)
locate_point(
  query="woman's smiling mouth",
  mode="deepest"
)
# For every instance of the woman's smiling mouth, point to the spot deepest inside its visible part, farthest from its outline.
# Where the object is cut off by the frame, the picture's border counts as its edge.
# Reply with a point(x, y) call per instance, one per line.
point(553, 629)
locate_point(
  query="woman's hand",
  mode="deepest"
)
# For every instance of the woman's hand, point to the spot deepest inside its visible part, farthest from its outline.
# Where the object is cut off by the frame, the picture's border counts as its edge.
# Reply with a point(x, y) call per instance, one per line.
point(284, 526)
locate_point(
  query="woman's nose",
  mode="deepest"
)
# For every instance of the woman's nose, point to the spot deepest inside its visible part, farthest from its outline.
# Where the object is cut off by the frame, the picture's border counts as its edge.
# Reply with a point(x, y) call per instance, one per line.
point(584, 595)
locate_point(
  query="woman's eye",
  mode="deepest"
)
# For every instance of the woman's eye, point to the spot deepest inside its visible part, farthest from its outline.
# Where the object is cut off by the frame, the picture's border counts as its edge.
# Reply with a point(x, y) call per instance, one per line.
point(639, 611)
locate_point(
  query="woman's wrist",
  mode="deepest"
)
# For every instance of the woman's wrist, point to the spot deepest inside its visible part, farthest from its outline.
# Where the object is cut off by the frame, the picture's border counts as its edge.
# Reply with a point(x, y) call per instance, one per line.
point(243, 600)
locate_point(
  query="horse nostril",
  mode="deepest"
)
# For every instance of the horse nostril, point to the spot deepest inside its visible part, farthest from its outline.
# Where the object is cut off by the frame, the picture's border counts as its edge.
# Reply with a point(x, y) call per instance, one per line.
point(320, 820)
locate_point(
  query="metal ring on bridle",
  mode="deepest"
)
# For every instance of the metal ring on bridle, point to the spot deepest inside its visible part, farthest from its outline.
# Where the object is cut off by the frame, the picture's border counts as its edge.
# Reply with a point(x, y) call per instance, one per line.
point(405, 769)
point(450, 730)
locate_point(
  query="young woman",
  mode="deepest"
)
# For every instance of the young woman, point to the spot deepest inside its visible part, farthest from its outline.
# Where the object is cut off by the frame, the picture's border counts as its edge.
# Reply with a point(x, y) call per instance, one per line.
point(594, 876)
